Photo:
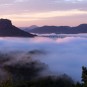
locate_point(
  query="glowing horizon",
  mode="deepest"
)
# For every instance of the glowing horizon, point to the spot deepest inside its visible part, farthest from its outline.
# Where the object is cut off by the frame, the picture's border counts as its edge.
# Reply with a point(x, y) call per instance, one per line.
point(47, 12)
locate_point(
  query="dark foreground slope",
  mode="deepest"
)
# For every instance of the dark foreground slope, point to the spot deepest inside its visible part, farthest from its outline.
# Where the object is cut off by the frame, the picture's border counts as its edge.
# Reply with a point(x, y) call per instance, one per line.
point(60, 29)
point(7, 29)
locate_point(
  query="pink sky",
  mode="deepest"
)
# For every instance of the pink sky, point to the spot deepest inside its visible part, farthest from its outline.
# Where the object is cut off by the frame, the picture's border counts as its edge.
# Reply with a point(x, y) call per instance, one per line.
point(44, 12)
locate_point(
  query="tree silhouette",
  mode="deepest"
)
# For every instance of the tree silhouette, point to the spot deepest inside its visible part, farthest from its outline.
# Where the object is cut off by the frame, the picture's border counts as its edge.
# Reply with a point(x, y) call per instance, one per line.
point(84, 76)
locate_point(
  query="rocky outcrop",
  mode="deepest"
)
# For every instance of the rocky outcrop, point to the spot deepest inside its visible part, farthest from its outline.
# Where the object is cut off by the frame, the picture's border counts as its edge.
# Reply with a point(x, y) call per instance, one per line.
point(9, 30)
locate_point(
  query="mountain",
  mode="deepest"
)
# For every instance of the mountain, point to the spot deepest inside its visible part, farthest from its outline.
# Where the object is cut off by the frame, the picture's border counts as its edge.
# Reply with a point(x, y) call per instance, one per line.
point(33, 26)
point(7, 29)
point(82, 28)
point(28, 28)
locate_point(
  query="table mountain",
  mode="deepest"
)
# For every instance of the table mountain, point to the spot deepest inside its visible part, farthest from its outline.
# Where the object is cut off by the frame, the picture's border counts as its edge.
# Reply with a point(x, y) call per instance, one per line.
point(9, 30)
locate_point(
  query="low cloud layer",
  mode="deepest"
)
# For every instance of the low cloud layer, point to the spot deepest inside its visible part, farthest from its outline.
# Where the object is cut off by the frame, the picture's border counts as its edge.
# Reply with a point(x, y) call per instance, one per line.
point(61, 55)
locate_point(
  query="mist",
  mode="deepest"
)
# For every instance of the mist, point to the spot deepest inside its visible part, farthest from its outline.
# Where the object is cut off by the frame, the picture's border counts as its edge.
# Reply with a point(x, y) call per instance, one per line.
point(61, 55)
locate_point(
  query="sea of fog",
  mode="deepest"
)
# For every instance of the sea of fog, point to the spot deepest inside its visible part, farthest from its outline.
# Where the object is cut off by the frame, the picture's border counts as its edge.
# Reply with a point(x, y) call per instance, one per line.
point(61, 55)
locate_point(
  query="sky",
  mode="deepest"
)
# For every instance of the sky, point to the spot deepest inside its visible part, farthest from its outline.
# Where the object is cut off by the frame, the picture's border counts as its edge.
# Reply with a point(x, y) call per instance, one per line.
point(44, 12)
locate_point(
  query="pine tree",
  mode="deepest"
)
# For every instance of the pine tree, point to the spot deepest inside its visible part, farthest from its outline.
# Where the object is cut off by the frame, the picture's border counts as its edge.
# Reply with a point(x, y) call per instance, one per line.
point(84, 76)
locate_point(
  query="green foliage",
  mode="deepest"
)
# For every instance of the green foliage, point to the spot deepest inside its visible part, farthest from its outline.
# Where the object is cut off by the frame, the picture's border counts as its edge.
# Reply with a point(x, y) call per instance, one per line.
point(84, 76)
point(52, 81)
point(6, 83)
point(78, 84)
point(24, 72)
point(27, 75)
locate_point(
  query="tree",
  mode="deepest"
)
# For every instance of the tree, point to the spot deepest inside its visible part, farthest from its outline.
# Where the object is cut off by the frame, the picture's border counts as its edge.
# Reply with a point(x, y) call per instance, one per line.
point(84, 76)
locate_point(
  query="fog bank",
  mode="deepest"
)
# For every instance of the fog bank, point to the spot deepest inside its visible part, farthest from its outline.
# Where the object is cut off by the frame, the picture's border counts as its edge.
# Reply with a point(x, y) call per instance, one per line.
point(61, 55)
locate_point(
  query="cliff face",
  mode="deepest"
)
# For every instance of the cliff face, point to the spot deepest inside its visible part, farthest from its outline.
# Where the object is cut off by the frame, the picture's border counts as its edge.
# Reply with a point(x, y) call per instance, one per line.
point(5, 23)
point(7, 29)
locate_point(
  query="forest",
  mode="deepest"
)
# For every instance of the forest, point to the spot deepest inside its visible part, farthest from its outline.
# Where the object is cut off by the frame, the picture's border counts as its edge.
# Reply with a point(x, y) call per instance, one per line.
point(27, 74)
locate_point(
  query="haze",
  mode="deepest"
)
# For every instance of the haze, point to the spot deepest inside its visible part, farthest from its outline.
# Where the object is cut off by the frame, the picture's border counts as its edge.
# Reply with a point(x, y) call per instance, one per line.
point(61, 55)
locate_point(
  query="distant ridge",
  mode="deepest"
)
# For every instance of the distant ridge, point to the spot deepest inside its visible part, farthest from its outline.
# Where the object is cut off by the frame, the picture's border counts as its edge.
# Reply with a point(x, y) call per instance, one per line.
point(29, 28)
point(9, 30)
point(82, 28)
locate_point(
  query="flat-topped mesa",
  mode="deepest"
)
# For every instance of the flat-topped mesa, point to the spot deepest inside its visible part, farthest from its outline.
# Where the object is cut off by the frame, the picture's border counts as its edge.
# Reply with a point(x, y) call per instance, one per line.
point(5, 23)
point(9, 30)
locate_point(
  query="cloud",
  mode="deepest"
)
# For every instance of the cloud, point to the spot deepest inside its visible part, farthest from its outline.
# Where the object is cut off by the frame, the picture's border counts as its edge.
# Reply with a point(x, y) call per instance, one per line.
point(44, 15)
point(33, 10)
point(17, 1)
point(6, 1)
point(63, 55)
point(46, 5)
point(70, 1)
